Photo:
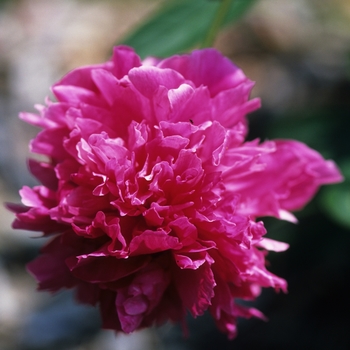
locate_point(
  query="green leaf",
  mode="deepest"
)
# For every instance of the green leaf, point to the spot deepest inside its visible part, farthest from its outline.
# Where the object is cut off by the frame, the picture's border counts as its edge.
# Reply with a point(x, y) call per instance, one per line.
point(180, 25)
point(335, 199)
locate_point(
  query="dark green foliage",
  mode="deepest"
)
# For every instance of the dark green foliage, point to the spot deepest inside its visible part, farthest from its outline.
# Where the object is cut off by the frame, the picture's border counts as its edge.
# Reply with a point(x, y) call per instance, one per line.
point(179, 26)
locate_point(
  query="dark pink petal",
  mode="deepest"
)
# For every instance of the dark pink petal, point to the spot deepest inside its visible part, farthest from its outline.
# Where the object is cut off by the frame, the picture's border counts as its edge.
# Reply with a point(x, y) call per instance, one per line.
point(37, 220)
point(92, 267)
point(141, 296)
point(184, 230)
point(195, 288)
point(110, 319)
point(49, 268)
point(192, 259)
point(150, 242)
point(50, 142)
point(44, 172)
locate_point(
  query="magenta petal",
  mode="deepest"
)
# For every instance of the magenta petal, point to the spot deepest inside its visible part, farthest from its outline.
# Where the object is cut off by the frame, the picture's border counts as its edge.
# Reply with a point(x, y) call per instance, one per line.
point(76, 95)
point(273, 245)
point(195, 288)
point(50, 117)
point(179, 96)
point(45, 173)
point(189, 261)
point(136, 305)
point(151, 242)
point(185, 230)
point(124, 59)
point(148, 79)
point(49, 268)
point(50, 143)
point(82, 77)
point(34, 197)
point(231, 106)
point(92, 268)
point(106, 83)
point(311, 171)
point(129, 323)
point(142, 295)
point(206, 67)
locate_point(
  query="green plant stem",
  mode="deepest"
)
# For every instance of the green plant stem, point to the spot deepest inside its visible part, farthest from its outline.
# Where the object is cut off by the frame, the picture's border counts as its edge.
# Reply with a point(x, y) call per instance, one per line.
point(216, 23)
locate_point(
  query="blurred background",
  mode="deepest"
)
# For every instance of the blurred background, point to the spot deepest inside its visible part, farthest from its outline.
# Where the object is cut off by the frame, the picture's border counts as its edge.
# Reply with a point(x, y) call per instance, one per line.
point(298, 52)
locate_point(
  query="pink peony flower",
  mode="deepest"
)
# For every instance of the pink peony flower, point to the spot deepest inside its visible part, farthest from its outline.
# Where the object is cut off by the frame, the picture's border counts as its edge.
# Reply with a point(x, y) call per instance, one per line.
point(152, 193)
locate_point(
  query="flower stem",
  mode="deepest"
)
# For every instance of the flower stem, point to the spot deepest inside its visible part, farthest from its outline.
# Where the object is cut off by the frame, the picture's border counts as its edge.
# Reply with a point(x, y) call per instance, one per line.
point(216, 23)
